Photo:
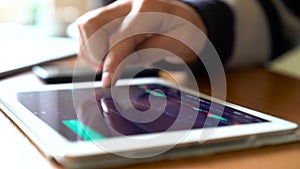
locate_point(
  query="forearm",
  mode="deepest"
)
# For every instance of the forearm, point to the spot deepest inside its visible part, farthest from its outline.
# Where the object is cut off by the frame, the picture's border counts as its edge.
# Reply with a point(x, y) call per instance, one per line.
point(247, 33)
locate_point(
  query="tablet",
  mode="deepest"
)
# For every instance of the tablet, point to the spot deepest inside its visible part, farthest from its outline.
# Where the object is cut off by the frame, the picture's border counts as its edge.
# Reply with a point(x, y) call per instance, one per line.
point(83, 125)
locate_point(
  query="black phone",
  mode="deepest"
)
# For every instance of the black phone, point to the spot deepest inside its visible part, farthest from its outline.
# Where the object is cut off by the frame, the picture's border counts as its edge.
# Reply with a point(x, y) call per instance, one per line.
point(60, 74)
point(52, 74)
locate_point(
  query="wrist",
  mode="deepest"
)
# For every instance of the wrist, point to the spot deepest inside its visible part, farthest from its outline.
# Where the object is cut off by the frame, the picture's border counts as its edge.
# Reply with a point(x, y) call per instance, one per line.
point(187, 12)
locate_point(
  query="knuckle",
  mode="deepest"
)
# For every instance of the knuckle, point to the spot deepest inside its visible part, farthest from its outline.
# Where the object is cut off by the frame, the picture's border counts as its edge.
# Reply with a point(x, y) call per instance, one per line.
point(91, 19)
point(146, 2)
point(143, 4)
point(85, 22)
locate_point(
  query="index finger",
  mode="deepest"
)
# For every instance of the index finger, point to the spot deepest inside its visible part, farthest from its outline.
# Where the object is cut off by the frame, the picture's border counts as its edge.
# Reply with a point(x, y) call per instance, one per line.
point(94, 38)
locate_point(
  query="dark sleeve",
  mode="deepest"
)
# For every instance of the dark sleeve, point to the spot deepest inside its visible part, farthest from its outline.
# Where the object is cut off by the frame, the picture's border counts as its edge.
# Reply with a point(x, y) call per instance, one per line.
point(293, 6)
point(248, 35)
point(219, 20)
point(279, 42)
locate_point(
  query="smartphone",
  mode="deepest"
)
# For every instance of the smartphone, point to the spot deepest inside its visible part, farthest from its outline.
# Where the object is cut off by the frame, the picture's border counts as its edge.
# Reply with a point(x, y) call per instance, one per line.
point(52, 74)
point(58, 74)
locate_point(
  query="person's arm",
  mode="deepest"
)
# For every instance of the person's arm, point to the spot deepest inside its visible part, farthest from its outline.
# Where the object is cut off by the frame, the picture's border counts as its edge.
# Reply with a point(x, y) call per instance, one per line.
point(244, 33)
point(250, 32)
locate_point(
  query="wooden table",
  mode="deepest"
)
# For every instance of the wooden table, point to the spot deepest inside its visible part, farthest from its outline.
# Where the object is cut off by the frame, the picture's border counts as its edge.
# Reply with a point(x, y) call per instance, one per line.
point(255, 88)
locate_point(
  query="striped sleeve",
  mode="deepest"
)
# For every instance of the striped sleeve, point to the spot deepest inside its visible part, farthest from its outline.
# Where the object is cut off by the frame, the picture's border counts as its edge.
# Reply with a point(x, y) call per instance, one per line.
point(250, 32)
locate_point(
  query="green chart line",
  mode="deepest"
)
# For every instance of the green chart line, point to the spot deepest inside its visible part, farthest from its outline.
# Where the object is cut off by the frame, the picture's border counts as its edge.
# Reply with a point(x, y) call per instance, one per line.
point(85, 132)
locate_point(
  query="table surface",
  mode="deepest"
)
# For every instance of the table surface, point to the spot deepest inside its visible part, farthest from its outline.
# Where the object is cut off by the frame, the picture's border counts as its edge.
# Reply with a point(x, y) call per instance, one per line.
point(255, 88)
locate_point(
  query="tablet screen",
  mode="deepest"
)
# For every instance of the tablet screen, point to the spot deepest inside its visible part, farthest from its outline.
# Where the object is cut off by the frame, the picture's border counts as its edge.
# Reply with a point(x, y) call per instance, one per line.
point(98, 115)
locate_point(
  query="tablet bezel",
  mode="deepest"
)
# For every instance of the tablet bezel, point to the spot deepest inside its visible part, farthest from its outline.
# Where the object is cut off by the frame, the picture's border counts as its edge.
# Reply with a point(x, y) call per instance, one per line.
point(64, 150)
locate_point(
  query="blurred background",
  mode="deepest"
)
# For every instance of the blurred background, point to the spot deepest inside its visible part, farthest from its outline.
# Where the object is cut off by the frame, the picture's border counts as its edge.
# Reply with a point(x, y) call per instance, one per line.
point(55, 18)
point(52, 17)
point(33, 32)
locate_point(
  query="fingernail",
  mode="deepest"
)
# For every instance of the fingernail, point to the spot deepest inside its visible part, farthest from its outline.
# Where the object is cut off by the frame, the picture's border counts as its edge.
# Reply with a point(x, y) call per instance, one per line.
point(106, 79)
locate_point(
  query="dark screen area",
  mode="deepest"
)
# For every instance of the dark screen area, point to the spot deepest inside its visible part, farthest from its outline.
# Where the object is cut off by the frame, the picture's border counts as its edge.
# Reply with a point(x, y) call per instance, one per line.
point(86, 114)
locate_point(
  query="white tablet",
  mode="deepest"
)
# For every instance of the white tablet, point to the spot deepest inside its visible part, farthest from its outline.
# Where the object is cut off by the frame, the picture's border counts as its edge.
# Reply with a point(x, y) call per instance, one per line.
point(82, 125)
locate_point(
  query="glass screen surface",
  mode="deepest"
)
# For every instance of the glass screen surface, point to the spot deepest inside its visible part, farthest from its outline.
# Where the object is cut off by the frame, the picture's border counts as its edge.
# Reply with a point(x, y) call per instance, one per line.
point(95, 114)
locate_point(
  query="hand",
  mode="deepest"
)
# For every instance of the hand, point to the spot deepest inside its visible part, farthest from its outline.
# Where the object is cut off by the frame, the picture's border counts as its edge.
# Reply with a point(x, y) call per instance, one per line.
point(111, 34)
